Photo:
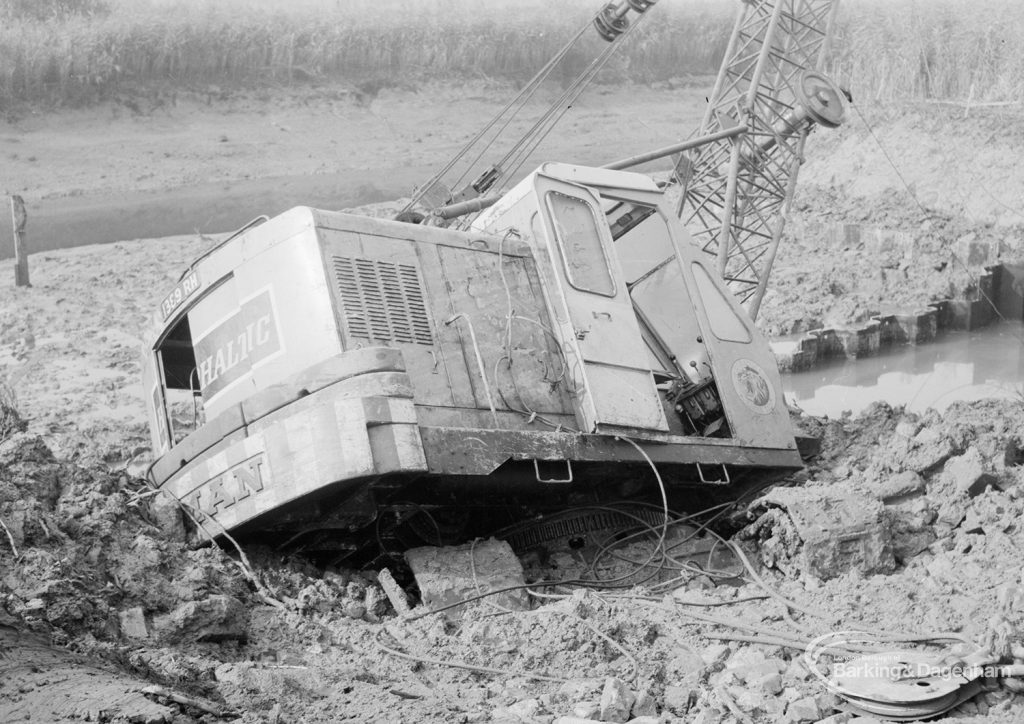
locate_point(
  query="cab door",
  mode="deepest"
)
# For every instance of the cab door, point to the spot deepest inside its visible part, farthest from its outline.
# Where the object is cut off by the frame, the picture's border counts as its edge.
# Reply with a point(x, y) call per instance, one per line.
point(589, 299)
point(741, 358)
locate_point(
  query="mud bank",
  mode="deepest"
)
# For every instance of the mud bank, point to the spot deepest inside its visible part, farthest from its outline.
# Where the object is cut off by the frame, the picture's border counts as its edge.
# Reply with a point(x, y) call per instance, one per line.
point(994, 295)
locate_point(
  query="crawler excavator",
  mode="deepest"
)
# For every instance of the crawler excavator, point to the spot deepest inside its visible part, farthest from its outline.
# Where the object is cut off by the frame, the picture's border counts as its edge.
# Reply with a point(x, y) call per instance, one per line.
point(511, 348)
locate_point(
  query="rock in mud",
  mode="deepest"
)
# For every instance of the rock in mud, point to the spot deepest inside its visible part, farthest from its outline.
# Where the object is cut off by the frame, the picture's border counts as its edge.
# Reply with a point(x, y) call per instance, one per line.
point(522, 711)
point(587, 710)
point(216, 618)
point(821, 532)
point(900, 485)
point(926, 452)
point(645, 705)
point(375, 604)
point(803, 710)
point(679, 699)
point(616, 701)
point(394, 592)
point(578, 689)
point(910, 525)
point(967, 474)
point(167, 514)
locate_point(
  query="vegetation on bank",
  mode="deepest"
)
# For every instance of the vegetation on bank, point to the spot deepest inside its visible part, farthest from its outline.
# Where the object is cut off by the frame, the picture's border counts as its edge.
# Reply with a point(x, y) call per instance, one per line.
point(75, 52)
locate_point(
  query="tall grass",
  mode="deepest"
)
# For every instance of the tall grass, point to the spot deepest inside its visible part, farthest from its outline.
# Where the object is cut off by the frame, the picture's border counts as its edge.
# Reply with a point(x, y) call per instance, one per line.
point(931, 49)
point(886, 49)
point(195, 42)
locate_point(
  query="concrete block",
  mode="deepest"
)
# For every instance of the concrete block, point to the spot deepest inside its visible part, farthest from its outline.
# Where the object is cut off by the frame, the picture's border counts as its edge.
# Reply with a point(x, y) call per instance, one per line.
point(944, 314)
point(786, 355)
point(860, 342)
point(1009, 290)
point(982, 304)
point(954, 314)
point(917, 327)
point(980, 314)
point(796, 355)
point(446, 575)
point(830, 345)
point(133, 623)
point(972, 251)
point(889, 332)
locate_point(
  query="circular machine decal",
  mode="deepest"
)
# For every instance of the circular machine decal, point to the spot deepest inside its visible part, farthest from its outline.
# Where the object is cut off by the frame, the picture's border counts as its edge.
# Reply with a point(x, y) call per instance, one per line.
point(751, 384)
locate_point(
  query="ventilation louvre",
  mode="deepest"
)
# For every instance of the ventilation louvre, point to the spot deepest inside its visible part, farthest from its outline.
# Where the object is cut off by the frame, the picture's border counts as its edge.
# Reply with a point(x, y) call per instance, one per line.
point(382, 301)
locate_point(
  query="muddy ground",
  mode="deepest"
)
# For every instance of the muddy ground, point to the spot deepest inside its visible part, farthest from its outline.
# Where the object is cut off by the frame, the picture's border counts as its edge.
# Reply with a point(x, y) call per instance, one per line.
point(108, 615)
point(97, 566)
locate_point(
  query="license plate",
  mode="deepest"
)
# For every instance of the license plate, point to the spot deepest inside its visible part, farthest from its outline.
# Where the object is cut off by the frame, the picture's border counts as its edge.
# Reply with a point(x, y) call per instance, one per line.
point(185, 288)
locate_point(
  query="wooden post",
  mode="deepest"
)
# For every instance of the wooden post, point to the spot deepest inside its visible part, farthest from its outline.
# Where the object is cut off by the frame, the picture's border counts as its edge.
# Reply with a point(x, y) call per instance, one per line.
point(20, 252)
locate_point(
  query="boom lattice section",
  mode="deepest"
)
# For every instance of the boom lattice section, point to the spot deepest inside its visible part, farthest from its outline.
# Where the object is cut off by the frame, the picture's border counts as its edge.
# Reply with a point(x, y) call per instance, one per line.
point(736, 191)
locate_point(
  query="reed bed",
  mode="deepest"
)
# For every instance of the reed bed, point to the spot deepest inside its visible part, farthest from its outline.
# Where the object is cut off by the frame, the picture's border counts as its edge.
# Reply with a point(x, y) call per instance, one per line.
point(950, 50)
point(886, 49)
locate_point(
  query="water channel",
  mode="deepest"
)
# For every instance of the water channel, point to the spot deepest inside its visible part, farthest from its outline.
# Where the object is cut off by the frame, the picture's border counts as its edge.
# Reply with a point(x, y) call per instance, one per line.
point(987, 362)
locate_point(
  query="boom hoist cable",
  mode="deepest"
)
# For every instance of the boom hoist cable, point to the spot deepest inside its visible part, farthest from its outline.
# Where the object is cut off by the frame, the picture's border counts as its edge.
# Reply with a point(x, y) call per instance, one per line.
point(613, 23)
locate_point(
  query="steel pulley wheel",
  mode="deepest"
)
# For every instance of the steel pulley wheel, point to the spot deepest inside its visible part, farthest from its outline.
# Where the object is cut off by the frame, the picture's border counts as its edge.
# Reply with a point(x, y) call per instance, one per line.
point(609, 24)
point(641, 6)
point(901, 685)
point(821, 99)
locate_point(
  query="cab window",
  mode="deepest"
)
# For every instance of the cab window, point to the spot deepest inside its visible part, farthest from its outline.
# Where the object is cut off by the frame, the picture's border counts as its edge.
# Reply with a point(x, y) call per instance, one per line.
point(580, 244)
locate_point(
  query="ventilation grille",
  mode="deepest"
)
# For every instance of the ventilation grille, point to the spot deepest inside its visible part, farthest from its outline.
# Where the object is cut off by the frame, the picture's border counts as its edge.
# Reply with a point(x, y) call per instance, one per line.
point(382, 301)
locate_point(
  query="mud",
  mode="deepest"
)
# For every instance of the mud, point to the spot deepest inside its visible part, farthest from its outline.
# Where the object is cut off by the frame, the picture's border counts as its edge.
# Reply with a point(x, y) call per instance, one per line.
point(104, 600)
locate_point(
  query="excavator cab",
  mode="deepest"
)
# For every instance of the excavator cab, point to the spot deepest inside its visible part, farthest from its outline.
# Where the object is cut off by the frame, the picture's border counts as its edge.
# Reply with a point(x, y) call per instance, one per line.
point(351, 369)
point(649, 322)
